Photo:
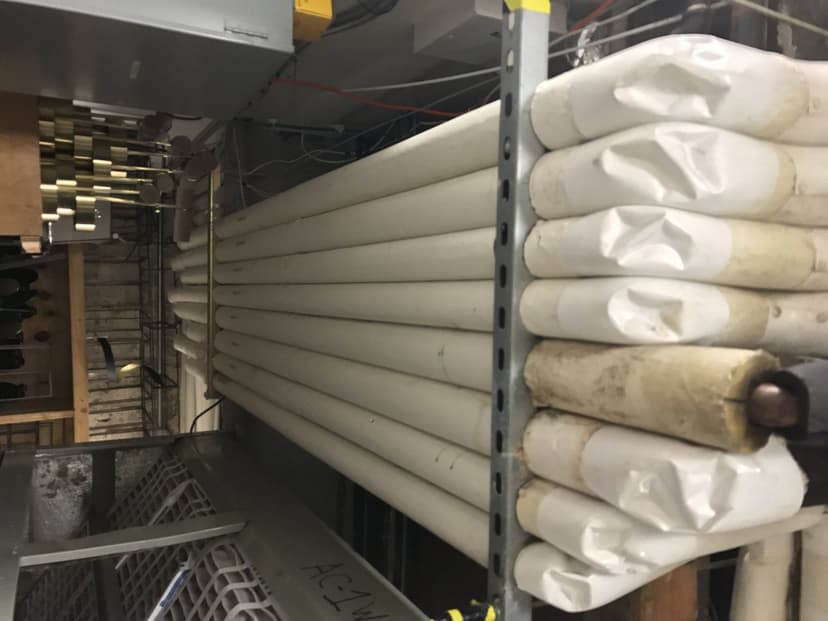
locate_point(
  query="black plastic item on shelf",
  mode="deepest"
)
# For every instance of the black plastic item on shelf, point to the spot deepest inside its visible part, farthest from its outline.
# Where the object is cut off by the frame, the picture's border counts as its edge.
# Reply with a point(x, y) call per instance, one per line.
point(9, 286)
point(11, 359)
point(23, 275)
point(11, 330)
point(19, 299)
point(12, 391)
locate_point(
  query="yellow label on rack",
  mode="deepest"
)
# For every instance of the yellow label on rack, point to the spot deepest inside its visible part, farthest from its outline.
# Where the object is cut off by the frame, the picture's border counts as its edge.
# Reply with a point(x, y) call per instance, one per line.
point(539, 6)
point(455, 615)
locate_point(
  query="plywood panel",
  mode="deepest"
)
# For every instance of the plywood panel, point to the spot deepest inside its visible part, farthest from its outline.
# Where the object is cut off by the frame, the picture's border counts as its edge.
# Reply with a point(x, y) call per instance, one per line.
point(19, 166)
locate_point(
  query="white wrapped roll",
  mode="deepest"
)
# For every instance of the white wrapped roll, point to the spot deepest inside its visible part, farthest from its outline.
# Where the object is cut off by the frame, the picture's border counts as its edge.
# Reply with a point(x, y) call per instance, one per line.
point(196, 368)
point(468, 255)
point(458, 204)
point(454, 356)
point(188, 348)
point(760, 590)
point(194, 275)
point(696, 78)
point(197, 295)
point(687, 166)
point(672, 485)
point(456, 522)
point(574, 586)
point(645, 240)
point(191, 312)
point(459, 415)
point(457, 147)
point(194, 331)
point(189, 258)
point(462, 305)
point(457, 470)
point(611, 541)
point(658, 311)
point(813, 604)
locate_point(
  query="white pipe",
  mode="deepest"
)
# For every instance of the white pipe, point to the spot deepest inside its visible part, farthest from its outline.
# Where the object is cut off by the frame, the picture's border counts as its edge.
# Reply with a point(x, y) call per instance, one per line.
point(684, 78)
point(647, 240)
point(194, 275)
point(453, 520)
point(813, 595)
point(457, 414)
point(196, 295)
point(694, 393)
point(191, 312)
point(458, 204)
point(467, 255)
point(687, 166)
point(573, 586)
point(189, 258)
point(188, 348)
point(194, 331)
point(453, 356)
point(659, 311)
point(448, 466)
point(672, 485)
point(760, 590)
point(457, 147)
point(462, 305)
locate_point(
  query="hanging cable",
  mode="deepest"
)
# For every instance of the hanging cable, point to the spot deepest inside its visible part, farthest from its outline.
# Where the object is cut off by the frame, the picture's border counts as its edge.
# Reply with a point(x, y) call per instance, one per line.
point(203, 412)
point(363, 100)
point(605, 22)
point(586, 21)
point(782, 17)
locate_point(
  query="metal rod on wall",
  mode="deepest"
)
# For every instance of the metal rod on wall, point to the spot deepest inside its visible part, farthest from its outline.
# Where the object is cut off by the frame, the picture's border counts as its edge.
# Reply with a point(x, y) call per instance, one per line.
point(211, 260)
point(525, 39)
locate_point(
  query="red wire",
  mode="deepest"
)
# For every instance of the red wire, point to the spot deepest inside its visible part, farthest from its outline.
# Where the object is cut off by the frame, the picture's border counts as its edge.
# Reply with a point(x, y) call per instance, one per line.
point(364, 100)
point(592, 16)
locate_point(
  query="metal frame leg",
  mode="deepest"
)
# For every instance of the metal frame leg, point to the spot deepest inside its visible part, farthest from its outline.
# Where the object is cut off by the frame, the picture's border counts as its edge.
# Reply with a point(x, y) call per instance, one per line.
point(525, 40)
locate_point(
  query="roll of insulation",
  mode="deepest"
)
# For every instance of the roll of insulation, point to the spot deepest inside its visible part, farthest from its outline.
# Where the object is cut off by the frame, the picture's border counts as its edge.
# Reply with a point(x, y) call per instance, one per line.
point(193, 275)
point(658, 311)
point(194, 331)
point(693, 393)
point(456, 522)
point(813, 604)
point(189, 348)
point(190, 258)
point(196, 368)
point(462, 305)
point(459, 415)
point(457, 147)
point(574, 586)
point(457, 470)
point(453, 356)
point(607, 539)
point(760, 590)
point(696, 78)
point(645, 240)
point(672, 485)
point(467, 255)
point(197, 295)
point(458, 204)
point(687, 166)
point(191, 312)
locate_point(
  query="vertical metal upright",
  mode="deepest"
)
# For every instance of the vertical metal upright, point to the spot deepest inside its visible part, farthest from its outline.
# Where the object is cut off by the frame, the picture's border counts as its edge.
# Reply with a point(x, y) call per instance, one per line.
point(524, 65)
point(214, 183)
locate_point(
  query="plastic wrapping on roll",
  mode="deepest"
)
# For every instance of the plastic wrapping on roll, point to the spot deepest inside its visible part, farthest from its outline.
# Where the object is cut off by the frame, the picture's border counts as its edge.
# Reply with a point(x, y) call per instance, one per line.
point(695, 78)
point(661, 311)
point(687, 166)
point(671, 485)
point(694, 393)
point(646, 240)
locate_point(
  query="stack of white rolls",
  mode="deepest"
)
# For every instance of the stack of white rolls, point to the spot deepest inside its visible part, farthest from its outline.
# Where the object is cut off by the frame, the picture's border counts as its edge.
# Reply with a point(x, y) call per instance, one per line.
point(355, 317)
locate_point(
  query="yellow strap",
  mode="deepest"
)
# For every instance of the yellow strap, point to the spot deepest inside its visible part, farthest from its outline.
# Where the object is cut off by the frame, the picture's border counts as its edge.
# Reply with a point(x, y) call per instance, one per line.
point(455, 615)
point(539, 6)
point(491, 615)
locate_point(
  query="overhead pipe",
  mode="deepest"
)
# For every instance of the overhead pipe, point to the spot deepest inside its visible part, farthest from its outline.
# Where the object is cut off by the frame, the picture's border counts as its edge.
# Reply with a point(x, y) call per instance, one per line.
point(457, 414)
point(465, 305)
point(457, 357)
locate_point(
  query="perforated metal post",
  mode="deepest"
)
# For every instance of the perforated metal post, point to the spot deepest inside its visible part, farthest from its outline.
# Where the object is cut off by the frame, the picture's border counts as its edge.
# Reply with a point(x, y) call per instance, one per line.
point(525, 39)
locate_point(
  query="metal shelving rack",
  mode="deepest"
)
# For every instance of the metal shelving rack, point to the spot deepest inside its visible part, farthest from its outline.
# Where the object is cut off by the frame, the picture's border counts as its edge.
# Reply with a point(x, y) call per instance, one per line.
point(524, 65)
